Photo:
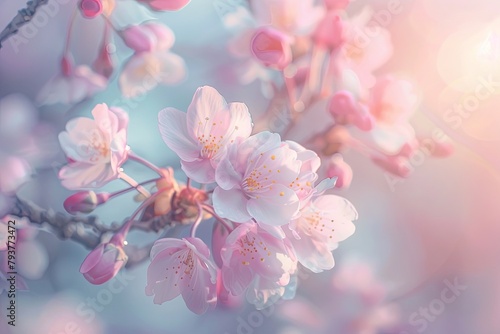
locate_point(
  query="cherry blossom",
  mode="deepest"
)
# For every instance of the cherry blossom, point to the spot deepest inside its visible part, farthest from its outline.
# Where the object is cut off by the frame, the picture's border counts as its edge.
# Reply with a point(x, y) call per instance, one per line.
point(252, 256)
point(201, 136)
point(322, 224)
point(96, 148)
point(182, 267)
point(72, 86)
point(256, 181)
point(152, 63)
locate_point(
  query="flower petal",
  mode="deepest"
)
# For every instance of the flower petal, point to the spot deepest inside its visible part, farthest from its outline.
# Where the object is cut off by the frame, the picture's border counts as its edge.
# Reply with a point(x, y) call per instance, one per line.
point(173, 130)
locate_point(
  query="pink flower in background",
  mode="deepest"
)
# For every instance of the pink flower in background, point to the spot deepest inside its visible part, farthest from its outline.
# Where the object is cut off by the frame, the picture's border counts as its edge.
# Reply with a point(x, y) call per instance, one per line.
point(96, 148)
point(322, 224)
point(201, 136)
point(182, 267)
point(72, 86)
point(295, 17)
point(272, 48)
point(253, 255)
point(256, 180)
point(392, 103)
point(104, 262)
point(165, 4)
point(364, 51)
point(152, 62)
point(14, 171)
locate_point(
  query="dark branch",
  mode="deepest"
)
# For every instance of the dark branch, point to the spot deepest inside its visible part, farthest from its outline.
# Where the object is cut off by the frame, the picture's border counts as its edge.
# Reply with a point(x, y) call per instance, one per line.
point(85, 230)
point(23, 16)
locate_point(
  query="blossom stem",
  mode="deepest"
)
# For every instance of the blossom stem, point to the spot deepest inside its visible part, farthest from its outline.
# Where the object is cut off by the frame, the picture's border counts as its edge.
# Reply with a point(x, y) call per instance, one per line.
point(69, 32)
point(145, 162)
point(134, 184)
point(188, 183)
point(210, 210)
point(332, 71)
point(126, 227)
point(123, 191)
point(198, 220)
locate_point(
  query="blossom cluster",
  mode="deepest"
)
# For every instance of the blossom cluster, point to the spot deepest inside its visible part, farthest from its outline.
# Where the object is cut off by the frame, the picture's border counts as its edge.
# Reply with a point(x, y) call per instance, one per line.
point(271, 213)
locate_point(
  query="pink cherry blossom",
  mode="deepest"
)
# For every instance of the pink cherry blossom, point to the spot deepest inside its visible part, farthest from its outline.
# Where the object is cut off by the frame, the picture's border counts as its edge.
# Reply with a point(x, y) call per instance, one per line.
point(104, 262)
point(201, 136)
point(272, 48)
point(165, 4)
point(295, 17)
point(256, 180)
point(330, 31)
point(363, 51)
point(152, 63)
point(96, 148)
point(252, 256)
point(84, 201)
point(14, 171)
point(182, 267)
point(326, 221)
point(72, 87)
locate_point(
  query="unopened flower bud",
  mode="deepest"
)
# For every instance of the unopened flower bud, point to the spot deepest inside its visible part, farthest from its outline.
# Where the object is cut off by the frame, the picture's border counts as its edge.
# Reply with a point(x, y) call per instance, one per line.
point(103, 263)
point(91, 8)
point(272, 48)
point(84, 202)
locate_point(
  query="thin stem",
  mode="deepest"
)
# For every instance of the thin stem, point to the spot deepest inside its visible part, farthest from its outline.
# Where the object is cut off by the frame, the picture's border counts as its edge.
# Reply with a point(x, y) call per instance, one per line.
point(69, 32)
point(188, 183)
point(210, 210)
point(145, 162)
point(123, 191)
point(134, 184)
point(198, 220)
point(125, 228)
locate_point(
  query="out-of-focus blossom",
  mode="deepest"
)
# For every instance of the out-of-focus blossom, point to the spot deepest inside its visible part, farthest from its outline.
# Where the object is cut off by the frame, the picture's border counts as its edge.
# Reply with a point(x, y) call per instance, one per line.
point(336, 4)
point(152, 63)
point(322, 224)
point(104, 262)
point(165, 4)
point(72, 86)
point(353, 284)
point(337, 167)
point(365, 52)
point(346, 110)
point(182, 267)
point(256, 179)
point(295, 17)
point(96, 148)
point(253, 256)
point(201, 136)
point(330, 31)
point(272, 48)
point(14, 171)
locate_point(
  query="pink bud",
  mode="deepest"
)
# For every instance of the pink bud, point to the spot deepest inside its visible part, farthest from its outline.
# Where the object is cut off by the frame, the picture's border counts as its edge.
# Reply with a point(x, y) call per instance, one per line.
point(103, 263)
point(103, 65)
point(330, 31)
point(336, 4)
point(343, 105)
point(443, 149)
point(91, 8)
point(84, 202)
point(66, 65)
point(337, 167)
point(396, 165)
point(272, 48)
point(165, 4)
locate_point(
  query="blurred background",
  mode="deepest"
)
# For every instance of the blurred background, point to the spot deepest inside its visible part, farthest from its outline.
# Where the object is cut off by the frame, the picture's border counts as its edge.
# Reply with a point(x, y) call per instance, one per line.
point(425, 257)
